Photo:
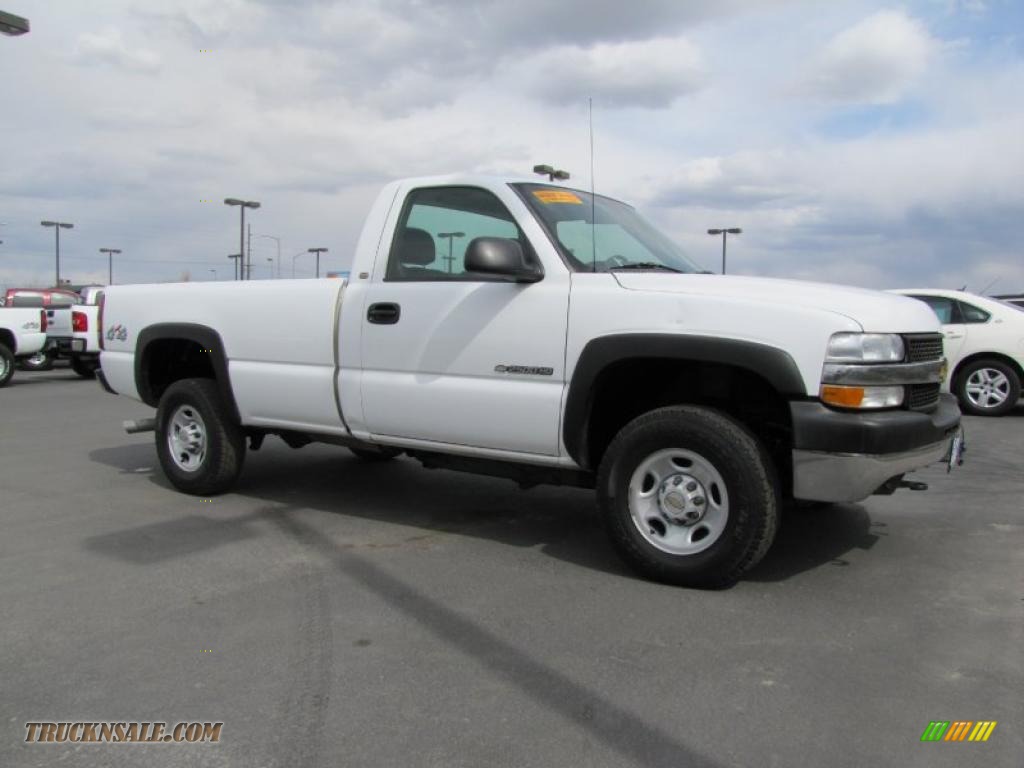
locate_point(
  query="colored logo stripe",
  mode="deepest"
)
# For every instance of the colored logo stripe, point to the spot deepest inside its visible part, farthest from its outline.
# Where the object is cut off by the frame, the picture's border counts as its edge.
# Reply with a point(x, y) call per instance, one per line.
point(958, 730)
point(982, 731)
point(935, 730)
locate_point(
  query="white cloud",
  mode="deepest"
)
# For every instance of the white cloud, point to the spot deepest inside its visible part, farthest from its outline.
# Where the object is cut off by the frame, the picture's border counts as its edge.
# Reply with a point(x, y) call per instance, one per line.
point(310, 107)
point(652, 73)
point(108, 47)
point(875, 61)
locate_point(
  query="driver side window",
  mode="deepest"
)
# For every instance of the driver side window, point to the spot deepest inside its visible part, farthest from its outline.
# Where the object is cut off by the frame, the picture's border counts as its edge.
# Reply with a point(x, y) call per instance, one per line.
point(435, 228)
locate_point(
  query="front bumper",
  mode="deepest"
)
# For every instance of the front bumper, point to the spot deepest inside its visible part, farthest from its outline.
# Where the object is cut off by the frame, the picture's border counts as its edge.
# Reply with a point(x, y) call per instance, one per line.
point(842, 456)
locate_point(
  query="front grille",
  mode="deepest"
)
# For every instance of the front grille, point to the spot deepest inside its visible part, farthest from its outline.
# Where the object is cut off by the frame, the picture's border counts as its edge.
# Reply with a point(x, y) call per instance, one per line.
point(922, 347)
point(922, 397)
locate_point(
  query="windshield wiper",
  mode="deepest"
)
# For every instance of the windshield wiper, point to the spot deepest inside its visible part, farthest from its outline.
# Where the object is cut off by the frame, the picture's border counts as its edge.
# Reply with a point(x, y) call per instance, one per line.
point(645, 265)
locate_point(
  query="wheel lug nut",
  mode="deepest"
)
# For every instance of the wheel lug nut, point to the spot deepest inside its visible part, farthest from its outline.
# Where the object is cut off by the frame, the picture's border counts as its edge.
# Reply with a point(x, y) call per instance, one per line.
point(677, 480)
point(699, 501)
point(691, 486)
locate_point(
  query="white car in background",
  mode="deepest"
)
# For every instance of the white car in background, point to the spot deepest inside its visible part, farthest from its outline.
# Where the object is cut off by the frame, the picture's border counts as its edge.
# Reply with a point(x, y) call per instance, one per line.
point(984, 342)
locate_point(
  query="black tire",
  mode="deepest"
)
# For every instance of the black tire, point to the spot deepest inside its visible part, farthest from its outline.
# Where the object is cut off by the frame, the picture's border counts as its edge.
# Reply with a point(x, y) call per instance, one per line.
point(751, 489)
point(41, 361)
point(220, 464)
point(375, 454)
point(6, 365)
point(84, 368)
point(1012, 390)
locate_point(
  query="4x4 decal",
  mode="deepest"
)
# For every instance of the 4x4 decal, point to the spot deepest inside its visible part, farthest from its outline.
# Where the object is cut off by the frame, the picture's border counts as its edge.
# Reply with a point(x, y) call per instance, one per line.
point(118, 332)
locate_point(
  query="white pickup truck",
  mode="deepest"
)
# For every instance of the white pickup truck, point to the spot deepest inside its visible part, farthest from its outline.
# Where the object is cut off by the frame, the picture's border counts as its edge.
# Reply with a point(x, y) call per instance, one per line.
point(71, 327)
point(74, 334)
point(531, 331)
point(22, 334)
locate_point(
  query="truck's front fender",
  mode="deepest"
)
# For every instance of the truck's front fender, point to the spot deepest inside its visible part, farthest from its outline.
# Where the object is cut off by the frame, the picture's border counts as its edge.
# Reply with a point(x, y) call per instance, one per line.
point(774, 365)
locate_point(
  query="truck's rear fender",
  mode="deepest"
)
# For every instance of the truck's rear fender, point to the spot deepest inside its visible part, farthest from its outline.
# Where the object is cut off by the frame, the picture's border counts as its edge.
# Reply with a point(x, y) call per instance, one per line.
point(9, 340)
point(620, 377)
point(168, 352)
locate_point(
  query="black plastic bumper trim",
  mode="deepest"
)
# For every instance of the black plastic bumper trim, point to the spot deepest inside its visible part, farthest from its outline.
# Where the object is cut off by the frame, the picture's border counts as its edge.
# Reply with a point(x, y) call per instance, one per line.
point(819, 428)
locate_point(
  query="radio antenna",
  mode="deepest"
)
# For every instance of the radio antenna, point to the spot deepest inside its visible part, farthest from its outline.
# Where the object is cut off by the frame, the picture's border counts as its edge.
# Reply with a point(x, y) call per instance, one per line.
point(984, 290)
point(593, 203)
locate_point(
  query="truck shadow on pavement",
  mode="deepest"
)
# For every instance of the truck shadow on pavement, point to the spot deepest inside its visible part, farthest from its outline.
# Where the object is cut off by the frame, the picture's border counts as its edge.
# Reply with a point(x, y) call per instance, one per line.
point(560, 522)
point(327, 485)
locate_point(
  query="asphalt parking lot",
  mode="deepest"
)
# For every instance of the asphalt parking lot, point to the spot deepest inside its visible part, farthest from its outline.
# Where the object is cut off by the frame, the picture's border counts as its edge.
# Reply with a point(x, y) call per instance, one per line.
point(336, 613)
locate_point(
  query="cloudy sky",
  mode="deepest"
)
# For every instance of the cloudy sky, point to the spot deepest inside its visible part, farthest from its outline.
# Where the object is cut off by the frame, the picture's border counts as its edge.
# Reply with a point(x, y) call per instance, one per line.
point(854, 141)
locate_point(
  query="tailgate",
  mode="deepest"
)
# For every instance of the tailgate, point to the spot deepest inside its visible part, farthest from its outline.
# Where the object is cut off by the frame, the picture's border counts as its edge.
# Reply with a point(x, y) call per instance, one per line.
point(58, 322)
point(88, 335)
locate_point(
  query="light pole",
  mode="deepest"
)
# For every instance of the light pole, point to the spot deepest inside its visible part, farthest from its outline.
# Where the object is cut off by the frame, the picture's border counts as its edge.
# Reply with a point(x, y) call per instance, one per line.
point(278, 241)
point(317, 251)
point(12, 25)
point(57, 226)
point(246, 265)
point(270, 266)
point(236, 259)
point(214, 273)
point(450, 237)
point(293, 261)
point(724, 233)
point(110, 262)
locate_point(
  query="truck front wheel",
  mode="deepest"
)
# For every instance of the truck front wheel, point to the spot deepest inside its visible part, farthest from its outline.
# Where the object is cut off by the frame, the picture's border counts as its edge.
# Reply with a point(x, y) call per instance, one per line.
point(689, 497)
point(200, 449)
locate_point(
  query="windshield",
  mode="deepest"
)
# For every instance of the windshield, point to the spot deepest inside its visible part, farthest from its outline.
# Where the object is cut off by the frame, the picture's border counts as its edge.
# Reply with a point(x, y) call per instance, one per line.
point(598, 234)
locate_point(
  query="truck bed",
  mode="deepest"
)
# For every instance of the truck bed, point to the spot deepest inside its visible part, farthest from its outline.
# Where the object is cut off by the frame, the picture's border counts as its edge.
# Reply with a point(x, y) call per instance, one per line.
point(278, 336)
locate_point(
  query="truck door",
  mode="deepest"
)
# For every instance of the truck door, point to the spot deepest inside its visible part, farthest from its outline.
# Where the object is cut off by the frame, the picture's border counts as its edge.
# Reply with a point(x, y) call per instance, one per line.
point(457, 358)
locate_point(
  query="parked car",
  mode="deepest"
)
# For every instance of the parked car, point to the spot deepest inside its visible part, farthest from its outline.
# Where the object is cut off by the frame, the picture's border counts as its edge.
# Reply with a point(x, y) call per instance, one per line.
point(22, 333)
point(693, 403)
point(1017, 299)
point(984, 341)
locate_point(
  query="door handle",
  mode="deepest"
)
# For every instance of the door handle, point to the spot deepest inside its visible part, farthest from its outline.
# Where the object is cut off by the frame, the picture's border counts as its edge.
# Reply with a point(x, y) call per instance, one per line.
point(384, 313)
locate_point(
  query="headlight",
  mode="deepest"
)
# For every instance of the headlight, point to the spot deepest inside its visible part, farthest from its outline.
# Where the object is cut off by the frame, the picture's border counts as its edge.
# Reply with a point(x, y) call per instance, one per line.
point(865, 348)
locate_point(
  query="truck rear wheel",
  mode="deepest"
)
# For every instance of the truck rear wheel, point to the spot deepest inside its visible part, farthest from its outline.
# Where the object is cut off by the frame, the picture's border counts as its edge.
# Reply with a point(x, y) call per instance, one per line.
point(689, 497)
point(200, 449)
point(6, 365)
point(40, 361)
point(84, 368)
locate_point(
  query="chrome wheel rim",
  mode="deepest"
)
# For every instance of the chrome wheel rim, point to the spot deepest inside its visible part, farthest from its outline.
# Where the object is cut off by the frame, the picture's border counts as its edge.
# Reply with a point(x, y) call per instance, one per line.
point(4, 366)
point(186, 438)
point(987, 388)
point(678, 501)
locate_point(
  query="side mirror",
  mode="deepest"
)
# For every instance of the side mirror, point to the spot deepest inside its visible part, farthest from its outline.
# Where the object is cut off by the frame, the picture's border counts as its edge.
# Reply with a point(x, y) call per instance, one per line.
point(500, 256)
